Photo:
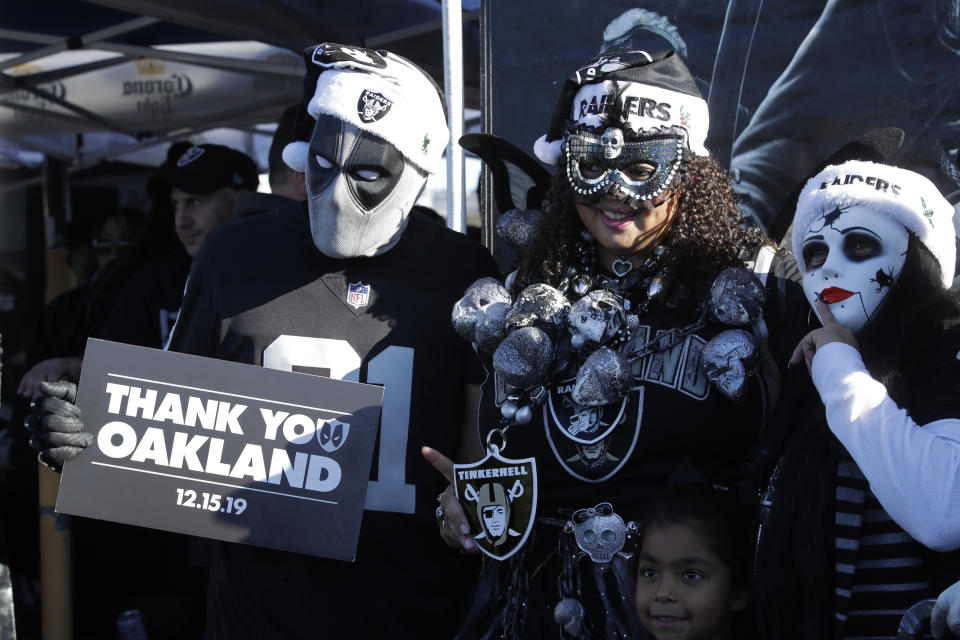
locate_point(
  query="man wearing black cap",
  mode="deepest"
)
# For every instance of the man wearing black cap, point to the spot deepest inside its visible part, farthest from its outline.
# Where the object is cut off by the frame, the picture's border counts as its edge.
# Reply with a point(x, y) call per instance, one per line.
point(206, 182)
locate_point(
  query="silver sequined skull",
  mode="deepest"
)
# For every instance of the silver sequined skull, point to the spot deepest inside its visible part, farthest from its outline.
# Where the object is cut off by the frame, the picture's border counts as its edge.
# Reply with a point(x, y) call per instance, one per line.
point(597, 316)
point(469, 310)
point(729, 359)
point(600, 533)
point(541, 306)
point(612, 143)
point(736, 297)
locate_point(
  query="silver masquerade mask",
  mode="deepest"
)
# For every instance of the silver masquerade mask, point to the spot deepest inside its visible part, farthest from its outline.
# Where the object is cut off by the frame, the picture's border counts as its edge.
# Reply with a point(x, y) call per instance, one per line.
point(638, 171)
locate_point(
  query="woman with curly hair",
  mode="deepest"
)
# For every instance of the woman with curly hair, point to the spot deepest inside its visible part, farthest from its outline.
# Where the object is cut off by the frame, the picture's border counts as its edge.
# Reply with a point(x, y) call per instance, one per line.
point(623, 266)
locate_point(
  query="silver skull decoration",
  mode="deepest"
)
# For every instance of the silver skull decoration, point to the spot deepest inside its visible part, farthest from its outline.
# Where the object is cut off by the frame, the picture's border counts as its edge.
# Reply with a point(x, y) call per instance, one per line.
point(491, 326)
point(468, 310)
point(603, 378)
point(596, 316)
point(736, 297)
point(517, 226)
point(729, 359)
point(523, 357)
point(539, 305)
point(612, 143)
point(600, 533)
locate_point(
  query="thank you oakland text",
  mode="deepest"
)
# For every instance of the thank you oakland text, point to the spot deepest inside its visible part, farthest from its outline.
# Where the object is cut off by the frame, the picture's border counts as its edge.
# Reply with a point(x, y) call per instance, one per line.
point(223, 450)
point(204, 451)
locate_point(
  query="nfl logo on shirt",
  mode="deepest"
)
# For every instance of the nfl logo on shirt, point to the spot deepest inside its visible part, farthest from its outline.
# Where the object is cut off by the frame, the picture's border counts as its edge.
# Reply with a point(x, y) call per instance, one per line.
point(358, 295)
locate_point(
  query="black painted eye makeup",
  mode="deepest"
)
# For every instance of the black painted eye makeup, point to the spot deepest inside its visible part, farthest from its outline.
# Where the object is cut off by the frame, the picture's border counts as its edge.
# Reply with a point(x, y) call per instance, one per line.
point(815, 254)
point(859, 246)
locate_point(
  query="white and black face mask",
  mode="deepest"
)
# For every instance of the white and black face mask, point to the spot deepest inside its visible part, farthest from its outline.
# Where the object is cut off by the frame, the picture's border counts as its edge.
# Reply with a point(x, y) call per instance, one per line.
point(851, 257)
point(360, 188)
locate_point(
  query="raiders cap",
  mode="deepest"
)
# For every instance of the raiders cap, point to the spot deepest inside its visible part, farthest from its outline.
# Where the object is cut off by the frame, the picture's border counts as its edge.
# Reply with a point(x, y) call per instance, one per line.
point(208, 167)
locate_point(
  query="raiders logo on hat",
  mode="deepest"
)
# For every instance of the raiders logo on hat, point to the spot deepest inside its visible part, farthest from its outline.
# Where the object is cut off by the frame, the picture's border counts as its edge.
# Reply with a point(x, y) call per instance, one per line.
point(189, 156)
point(372, 106)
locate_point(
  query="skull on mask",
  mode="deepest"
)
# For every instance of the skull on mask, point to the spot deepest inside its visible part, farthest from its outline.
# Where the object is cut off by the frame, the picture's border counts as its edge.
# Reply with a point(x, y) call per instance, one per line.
point(611, 142)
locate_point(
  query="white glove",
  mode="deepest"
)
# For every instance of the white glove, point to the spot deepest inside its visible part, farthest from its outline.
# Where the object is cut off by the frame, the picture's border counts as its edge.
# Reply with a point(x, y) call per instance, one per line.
point(945, 619)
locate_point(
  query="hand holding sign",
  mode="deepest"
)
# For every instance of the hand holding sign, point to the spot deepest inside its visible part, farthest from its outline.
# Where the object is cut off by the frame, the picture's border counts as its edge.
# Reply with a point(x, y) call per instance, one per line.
point(55, 427)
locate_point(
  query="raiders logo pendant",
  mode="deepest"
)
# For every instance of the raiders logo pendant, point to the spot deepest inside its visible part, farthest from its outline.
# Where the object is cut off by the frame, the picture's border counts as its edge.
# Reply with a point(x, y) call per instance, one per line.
point(499, 499)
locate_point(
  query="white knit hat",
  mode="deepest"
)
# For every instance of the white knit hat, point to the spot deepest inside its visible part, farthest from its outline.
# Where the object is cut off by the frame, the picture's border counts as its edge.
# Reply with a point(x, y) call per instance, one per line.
point(901, 195)
point(378, 92)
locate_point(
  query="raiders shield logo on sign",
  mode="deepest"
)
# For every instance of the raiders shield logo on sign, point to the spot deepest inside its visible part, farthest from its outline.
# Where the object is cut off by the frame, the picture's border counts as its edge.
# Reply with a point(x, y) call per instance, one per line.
point(358, 295)
point(499, 499)
point(372, 106)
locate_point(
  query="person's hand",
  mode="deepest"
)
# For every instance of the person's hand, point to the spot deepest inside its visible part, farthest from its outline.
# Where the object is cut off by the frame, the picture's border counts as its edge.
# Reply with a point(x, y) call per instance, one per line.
point(832, 331)
point(945, 619)
point(454, 528)
point(55, 427)
point(51, 370)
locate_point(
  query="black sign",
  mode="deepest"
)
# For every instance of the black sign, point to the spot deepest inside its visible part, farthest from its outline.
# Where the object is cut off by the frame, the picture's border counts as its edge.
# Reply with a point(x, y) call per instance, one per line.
point(222, 450)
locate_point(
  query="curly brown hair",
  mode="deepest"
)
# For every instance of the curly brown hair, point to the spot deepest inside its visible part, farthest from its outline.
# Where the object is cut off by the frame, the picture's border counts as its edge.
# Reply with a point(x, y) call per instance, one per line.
point(706, 235)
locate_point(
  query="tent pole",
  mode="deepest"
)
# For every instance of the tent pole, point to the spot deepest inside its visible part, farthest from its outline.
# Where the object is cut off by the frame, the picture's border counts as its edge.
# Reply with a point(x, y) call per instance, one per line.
point(453, 81)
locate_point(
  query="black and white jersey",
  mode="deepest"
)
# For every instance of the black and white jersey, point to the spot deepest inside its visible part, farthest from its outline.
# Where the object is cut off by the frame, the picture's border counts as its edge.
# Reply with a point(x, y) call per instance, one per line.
point(261, 293)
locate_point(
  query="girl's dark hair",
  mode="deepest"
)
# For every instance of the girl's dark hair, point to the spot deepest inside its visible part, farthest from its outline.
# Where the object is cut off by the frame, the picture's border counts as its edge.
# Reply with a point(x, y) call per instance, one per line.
point(795, 592)
point(722, 518)
point(706, 235)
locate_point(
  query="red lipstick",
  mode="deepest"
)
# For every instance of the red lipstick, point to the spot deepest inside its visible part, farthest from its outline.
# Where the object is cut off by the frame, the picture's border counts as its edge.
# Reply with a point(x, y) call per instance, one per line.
point(834, 294)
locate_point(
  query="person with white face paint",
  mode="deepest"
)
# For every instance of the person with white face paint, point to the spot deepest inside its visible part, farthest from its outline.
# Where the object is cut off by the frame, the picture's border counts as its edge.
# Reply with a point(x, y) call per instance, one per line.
point(866, 494)
point(351, 285)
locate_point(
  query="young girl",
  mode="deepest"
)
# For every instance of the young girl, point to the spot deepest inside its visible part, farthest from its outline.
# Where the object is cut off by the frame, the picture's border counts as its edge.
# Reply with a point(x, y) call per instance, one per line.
point(694, 575)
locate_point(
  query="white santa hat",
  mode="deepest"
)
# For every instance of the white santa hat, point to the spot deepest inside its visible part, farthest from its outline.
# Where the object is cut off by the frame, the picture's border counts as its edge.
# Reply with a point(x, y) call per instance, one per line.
point(901, 195)
point(378, 92)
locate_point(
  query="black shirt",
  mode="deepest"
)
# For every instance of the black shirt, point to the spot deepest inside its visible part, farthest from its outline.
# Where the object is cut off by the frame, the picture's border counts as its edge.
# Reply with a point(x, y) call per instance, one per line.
point(261, 293)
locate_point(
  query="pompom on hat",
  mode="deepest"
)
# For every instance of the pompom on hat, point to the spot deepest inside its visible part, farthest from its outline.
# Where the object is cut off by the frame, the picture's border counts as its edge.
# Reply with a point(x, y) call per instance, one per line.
point(637, 90)
point(901, 195)
point(378, 92)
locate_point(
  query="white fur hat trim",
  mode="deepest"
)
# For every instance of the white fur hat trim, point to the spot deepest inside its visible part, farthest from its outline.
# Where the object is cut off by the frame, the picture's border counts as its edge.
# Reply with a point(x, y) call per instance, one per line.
point(548, 152)
point(902, 195)
point(295, 155)
point(398, 104)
